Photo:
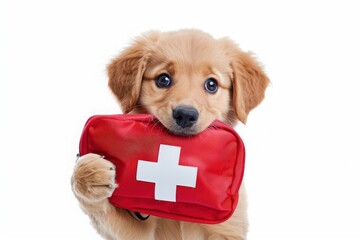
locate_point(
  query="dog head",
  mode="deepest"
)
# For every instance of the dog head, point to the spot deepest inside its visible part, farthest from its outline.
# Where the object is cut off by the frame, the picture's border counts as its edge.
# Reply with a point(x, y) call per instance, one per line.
point(187, 79)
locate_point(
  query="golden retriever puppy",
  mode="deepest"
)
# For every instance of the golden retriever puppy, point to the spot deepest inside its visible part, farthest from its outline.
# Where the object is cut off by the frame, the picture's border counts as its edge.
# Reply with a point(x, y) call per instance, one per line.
point(186, 79)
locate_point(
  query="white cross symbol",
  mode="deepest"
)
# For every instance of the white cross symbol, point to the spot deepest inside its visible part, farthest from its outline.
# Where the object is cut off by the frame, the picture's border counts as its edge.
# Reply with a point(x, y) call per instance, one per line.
point(166, 173)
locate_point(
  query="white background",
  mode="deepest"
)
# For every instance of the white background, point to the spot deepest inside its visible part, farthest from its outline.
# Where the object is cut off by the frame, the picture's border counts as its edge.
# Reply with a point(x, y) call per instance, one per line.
point(303, 170)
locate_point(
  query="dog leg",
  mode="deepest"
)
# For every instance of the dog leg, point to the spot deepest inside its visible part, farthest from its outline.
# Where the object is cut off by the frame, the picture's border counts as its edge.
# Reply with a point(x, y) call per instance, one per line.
point(93, 181)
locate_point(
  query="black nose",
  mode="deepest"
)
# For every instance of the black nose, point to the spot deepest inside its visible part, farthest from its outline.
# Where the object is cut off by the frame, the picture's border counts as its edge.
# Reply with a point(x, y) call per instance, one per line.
point(185, 116)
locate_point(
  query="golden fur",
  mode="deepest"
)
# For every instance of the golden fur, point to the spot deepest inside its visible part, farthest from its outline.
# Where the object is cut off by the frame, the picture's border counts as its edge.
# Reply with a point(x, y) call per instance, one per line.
point(189, 57)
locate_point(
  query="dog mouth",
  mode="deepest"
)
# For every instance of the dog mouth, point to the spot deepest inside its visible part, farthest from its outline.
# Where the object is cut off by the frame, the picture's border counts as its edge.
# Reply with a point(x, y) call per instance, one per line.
point(178, 130)
point(182, 121)
point(175, 129)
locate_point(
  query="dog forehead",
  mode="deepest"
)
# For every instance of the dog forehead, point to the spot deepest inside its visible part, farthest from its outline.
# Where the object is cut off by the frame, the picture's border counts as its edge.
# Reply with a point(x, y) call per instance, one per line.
point(188, 54)
point(189, 48)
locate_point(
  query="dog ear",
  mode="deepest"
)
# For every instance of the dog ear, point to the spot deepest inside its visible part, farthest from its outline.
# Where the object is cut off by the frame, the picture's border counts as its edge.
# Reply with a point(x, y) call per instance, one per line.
point(126, 72)
point(249, 80)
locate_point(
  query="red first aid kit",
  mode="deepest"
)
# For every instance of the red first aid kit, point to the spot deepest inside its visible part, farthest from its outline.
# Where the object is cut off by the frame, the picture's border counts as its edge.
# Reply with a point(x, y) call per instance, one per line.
point(186, 178)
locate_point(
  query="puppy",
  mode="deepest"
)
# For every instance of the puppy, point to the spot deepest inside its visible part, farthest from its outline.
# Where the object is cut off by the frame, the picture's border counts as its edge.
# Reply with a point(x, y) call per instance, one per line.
point(186, 79)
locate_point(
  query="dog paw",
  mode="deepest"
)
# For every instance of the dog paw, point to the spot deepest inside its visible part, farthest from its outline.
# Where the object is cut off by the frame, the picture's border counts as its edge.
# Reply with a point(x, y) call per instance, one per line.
point(93, 179)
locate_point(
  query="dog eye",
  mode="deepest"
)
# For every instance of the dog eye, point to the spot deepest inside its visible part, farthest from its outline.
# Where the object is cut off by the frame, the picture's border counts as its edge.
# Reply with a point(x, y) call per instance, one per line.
point(163, 81)
point(211, 85)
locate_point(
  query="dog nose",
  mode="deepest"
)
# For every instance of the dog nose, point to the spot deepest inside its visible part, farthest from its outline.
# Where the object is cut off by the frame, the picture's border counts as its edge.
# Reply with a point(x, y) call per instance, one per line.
point(185, 116)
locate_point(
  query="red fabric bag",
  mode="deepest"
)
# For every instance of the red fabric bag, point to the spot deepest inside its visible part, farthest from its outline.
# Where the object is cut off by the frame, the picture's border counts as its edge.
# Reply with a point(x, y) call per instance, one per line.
point(187, 178)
